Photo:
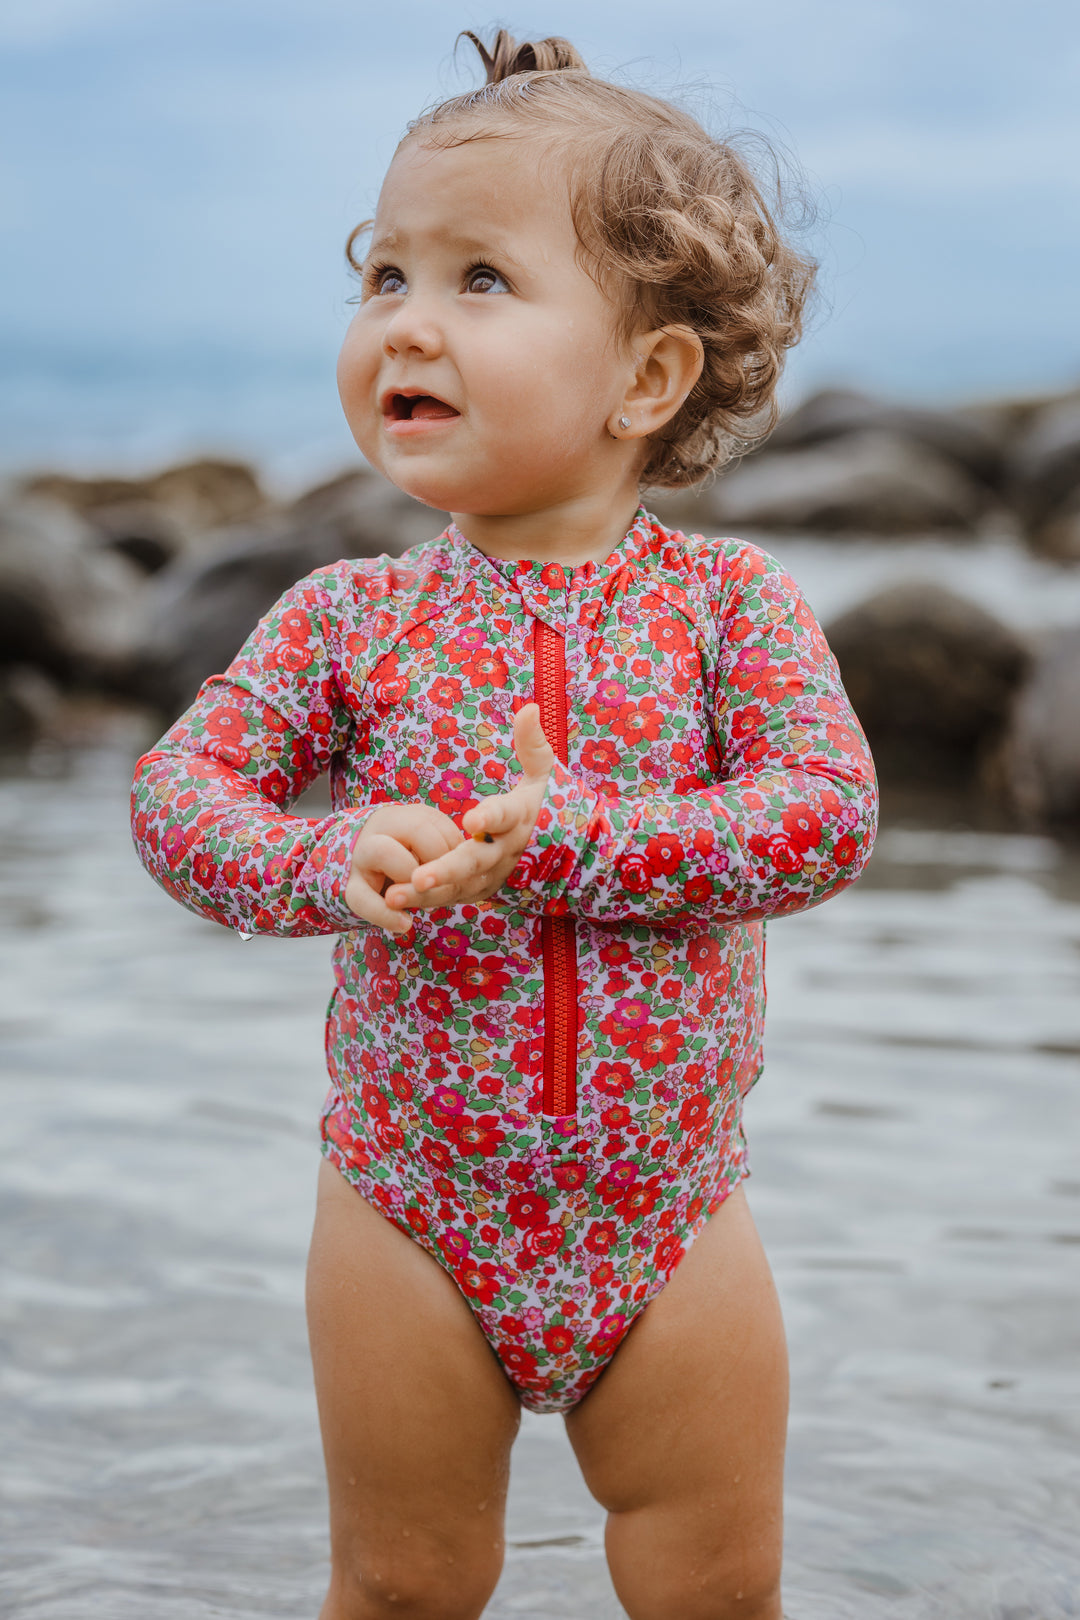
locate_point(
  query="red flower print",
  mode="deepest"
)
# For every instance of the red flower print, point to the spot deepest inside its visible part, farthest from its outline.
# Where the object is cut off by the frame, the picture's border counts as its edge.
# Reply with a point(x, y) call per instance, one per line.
point(227, 723)
point(540, 1243)
point(295, 625)
point(668, 634)
point(485, 669)
point(635, 872)
point(845, 849)
point(697, 890)
point(476, 1135)
point(695, 1112)
point(291, 656)
point(600, 756)
point(402, 1087)
point(205, 870)
point(802, 826)
point(527, 1209)
point(655, 1045)
point(569, 1177)
point(375, 1103)
point(480, 980)
point(665, 853)
point(615, 1117)
point(614, 1079)
point(667, 1254)
point(843, 738)
point(559, 1340)
point(752, 670)
point(638, 722)
point(437, 1153)
point(518, 1360)
point(638, 1202)
point(620, 1176)
point(446, 692)
point(418, 1221)
point(602, 1236)
point(479, 1282)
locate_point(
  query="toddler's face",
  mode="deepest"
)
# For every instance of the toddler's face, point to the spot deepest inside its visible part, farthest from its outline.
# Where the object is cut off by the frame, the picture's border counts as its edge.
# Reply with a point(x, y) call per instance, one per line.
point(483, 365)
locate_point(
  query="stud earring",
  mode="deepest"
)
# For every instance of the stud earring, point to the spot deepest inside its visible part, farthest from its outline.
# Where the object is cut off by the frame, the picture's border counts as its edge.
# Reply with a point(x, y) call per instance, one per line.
point(624, 421)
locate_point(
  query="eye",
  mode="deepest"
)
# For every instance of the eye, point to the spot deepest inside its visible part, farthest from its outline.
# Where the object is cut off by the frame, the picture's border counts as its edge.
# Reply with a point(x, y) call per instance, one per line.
point(385, 279)
point(483, 279)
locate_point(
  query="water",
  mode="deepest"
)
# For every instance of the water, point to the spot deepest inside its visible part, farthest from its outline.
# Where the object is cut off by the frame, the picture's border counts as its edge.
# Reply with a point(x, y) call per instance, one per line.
point(916, 1183)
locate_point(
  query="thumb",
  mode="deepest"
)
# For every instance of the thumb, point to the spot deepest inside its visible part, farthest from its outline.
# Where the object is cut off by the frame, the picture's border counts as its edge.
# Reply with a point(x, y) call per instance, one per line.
point(535, 754)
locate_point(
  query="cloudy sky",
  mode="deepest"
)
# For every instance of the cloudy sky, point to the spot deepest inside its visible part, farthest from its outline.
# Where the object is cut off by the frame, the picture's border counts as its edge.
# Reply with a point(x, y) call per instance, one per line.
point(178, 176)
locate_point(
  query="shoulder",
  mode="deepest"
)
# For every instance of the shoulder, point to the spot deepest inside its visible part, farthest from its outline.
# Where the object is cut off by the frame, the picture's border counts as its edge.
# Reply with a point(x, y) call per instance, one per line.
point(719, 571)
point(363, 584)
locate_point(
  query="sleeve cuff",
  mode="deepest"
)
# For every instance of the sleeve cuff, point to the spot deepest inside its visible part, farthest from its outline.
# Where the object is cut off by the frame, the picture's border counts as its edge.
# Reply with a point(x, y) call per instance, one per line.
point(328, 868)
point(568, 816)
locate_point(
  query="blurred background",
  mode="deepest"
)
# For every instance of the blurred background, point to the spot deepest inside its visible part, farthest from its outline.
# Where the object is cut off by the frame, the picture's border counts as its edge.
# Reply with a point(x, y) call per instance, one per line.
point(178, 179)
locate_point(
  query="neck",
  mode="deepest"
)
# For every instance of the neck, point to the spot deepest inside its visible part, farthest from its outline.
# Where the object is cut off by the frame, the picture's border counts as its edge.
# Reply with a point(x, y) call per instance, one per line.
point(580, 530)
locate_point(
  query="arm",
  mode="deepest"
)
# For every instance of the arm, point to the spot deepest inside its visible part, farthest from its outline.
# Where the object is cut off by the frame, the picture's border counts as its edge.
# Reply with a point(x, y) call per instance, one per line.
point(792, 821)
point(210, 801)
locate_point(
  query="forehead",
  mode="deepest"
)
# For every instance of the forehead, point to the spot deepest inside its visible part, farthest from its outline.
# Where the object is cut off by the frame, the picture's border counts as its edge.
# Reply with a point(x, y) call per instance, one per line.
point(493, 187)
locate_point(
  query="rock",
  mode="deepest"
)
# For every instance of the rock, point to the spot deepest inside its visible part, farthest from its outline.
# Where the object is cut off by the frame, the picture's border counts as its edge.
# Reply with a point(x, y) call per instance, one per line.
point(1039, 762)
point(203, 610)
point(866, 483)
point(200, 495)
point(956, 436)
point(932, 678)
point(1044, 478)
point(154, 521)
point(66, 605)
point(29, 703)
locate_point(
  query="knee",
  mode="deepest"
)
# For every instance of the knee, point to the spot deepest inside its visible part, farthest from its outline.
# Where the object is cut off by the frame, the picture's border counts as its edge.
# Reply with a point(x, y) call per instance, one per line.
point(429, 1586)
point(729, 1583)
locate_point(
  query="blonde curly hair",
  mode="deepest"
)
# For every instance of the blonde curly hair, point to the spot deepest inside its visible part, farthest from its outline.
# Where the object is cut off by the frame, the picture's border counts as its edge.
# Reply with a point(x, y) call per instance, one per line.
point(671, 221)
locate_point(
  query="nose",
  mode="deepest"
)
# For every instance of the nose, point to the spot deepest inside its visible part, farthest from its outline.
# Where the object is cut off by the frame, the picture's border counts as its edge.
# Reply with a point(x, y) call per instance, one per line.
point(413, 330)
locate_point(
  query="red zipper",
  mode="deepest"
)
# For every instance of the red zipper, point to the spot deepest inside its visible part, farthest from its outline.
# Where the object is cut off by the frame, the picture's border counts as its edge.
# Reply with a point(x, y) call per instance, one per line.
point(557, 934)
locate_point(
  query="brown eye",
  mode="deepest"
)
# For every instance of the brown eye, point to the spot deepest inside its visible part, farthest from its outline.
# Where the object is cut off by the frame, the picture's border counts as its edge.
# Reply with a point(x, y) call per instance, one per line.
point(388, 280)
point(483, 279)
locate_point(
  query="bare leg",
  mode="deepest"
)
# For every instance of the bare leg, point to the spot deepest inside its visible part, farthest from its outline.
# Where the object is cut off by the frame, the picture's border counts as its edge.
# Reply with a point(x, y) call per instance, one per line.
point(682, 1440)
point(417, 1419)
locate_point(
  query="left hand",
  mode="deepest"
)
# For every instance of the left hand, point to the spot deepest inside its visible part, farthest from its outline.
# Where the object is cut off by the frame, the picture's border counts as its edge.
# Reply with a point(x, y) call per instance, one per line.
point(479, 867)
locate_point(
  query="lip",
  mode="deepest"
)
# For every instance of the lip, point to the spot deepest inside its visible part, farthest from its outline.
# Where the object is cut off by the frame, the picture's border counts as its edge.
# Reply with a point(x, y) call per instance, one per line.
point(406, 427)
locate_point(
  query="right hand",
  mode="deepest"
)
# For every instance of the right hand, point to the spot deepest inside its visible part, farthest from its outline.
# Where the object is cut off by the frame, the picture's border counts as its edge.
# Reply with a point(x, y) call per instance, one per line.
point(394, 841)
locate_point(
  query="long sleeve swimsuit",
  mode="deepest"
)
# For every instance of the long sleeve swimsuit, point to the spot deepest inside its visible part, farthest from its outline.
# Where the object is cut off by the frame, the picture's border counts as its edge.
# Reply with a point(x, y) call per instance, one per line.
point(544, 1089)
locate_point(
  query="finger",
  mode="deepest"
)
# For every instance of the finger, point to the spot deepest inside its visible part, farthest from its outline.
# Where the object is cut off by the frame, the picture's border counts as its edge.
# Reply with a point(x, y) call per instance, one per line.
point(429, 840)
point(381, 856)
point(535, 754)
point(499, 813)
point(462, 865)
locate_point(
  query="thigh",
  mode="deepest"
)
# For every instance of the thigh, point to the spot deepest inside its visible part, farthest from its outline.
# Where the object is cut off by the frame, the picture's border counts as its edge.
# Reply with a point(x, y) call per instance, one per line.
point(417, 1419)
point(682, 1439)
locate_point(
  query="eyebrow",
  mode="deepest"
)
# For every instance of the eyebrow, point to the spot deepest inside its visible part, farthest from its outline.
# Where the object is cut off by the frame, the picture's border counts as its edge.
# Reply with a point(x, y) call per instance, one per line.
point(468, 246)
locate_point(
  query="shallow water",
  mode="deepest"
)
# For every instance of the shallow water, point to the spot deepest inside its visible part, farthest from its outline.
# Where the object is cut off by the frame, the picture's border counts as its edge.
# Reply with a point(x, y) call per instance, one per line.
point(916, 1181)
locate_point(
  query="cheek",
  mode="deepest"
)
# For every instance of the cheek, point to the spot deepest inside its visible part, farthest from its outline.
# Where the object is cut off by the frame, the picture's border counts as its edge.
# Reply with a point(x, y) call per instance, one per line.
point(356, 370)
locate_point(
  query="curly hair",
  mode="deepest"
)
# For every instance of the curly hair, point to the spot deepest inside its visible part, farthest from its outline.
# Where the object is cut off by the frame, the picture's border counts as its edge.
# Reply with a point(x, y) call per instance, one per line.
point(672, 223)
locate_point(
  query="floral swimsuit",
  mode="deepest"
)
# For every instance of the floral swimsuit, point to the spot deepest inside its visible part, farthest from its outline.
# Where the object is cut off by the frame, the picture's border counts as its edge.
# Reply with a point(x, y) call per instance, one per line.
point(544, 1089)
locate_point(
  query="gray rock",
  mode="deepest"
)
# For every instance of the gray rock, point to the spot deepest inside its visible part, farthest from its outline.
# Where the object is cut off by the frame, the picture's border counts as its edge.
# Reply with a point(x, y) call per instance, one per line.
point(203, 610)
point(1044, 478)
point(836, 412)
point(1039, 762)
point(932, 678)
point(866, 483)
point(66, 605)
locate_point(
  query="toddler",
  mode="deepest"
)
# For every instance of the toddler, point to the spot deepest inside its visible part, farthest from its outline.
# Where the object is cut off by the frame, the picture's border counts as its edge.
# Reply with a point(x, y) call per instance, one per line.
point(576, 760)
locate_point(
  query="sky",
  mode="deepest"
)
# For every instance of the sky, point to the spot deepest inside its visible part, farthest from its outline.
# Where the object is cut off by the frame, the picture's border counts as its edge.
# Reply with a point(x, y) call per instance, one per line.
point(177, 178)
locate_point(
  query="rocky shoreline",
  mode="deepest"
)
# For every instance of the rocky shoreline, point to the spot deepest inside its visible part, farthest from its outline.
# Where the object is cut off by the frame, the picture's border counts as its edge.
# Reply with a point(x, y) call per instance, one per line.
point(130, 591)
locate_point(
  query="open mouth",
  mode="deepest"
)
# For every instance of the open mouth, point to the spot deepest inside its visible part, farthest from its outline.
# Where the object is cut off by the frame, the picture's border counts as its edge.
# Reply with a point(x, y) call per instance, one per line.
point(419, 408)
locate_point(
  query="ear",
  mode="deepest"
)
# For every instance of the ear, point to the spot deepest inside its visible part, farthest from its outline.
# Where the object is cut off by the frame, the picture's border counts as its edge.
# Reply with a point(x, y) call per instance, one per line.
point(668, 364)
